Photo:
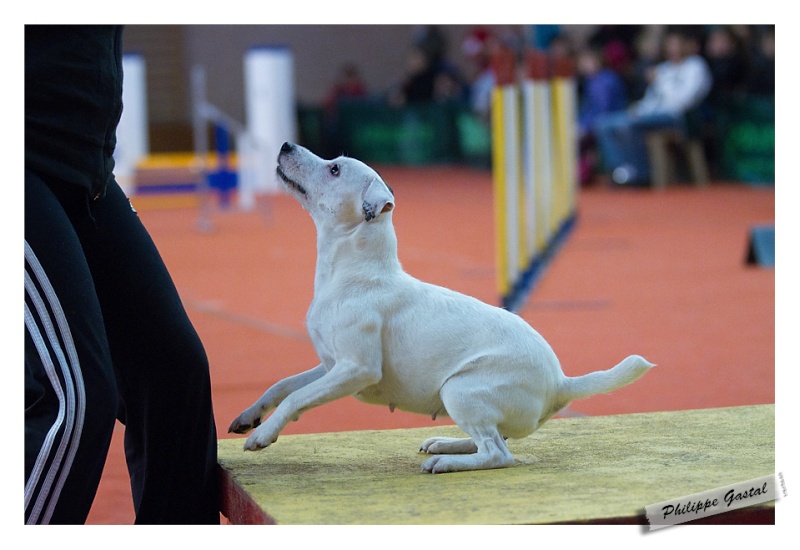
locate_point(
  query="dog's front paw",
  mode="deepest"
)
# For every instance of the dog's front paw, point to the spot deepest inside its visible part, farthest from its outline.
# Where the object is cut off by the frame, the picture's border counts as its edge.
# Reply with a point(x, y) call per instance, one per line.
point(243, 424)
point(260, 439)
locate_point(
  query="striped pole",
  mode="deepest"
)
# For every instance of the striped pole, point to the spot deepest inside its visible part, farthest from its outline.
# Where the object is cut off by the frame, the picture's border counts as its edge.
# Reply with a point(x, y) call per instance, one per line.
point(566, 77)
point(505, 162)
point(565, 180)
point(538, 72)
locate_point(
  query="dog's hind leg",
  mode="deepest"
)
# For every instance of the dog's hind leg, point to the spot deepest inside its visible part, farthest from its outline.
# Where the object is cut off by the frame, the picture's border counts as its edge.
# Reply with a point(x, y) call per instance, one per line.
point(448, 445)
point(491, 452)
point(476, 412)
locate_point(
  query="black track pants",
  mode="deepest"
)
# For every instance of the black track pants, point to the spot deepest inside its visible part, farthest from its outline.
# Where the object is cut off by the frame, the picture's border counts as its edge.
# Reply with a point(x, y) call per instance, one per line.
point(107, 337)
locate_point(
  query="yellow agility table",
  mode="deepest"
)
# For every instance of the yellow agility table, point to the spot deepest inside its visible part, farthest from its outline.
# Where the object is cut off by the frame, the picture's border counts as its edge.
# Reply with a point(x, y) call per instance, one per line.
point(588, 470)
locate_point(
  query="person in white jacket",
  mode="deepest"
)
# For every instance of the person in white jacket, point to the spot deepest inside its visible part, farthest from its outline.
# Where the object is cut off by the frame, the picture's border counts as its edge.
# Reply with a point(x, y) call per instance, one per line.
point(679, 84)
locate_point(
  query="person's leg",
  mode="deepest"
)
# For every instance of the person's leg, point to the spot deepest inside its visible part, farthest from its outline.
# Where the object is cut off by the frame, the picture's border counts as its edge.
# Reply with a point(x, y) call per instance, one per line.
point(659, 121)
point(587, 158)
point(621, 140)
point(639, 158)
point(161, 366)
point(636, 168)
point(614, 136)
point(70, 392)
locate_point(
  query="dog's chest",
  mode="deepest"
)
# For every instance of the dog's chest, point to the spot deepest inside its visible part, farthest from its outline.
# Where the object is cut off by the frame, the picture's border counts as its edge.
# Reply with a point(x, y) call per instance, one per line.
point(322, 345)
point(320, 330)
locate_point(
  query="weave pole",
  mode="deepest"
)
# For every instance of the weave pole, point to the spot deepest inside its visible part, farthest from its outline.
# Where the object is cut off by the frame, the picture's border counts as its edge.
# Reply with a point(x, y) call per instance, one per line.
point(534, 156)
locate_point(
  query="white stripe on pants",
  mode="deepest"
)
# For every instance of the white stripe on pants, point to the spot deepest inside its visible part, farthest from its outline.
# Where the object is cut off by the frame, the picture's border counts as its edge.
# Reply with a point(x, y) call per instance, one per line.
point(43, 487)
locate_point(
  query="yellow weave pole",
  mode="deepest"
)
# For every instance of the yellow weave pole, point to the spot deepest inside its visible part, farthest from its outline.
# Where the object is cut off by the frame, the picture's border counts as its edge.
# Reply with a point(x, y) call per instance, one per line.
point(505, 166)
point(565, 180)
point(559, 175)
point(571, 116)
point(499, 189)
point(512, 188)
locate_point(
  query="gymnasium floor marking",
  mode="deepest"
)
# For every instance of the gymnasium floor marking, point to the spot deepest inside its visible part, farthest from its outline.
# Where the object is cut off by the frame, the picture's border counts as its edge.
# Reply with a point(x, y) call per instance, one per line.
point(214, 309)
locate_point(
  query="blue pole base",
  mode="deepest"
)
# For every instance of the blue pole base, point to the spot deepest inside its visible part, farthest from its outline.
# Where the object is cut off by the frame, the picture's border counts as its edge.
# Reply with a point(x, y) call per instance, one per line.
point(518, 295)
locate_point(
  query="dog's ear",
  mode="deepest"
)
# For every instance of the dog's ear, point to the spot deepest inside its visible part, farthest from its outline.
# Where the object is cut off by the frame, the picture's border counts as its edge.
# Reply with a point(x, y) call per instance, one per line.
point(378, 198)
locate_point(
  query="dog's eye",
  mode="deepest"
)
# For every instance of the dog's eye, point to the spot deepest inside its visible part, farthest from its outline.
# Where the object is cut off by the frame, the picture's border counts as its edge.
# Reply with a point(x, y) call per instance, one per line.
point(334, 169)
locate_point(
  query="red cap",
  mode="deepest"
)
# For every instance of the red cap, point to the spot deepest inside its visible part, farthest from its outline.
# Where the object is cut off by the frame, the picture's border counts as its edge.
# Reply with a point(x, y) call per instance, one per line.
point(537, 65)
point(563, 67)
point(504, 66)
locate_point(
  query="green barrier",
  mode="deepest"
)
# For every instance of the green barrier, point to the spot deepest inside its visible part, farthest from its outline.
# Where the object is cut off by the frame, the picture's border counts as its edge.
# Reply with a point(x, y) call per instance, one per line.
point(747, 130)
point(311, 126)
point(475, 140)
point(419, 134)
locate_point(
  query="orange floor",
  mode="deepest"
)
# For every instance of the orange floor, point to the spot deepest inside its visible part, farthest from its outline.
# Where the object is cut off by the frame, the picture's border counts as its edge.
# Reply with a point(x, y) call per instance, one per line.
point(660, 274)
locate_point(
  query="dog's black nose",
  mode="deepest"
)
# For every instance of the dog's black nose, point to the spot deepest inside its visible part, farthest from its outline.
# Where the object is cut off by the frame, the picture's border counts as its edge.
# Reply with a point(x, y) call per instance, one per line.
point(287, 147)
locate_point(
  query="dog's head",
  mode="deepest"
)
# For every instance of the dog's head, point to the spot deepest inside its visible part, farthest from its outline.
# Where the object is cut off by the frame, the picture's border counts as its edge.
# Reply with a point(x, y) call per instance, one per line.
point(344, 191)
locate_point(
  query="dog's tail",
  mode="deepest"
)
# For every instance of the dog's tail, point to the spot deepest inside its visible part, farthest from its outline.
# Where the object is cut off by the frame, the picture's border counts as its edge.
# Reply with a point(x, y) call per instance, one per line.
point(603, 381)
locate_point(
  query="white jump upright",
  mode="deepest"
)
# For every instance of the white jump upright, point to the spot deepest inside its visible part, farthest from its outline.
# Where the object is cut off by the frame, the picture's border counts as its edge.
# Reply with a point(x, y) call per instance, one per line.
point(133, 143)
point(271, 115)
point(270, 120)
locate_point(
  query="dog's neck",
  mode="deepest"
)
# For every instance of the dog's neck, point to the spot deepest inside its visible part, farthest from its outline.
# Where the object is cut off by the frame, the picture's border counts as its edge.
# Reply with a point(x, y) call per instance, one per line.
point(358, 253)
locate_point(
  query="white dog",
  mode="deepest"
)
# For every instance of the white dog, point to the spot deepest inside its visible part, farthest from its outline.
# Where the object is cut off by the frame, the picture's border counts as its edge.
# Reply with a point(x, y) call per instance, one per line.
point(390, 339)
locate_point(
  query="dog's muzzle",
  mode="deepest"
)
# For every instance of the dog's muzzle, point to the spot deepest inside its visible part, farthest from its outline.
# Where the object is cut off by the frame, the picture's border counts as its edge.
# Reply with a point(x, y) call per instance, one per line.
point(289, 181)
point(288, 148)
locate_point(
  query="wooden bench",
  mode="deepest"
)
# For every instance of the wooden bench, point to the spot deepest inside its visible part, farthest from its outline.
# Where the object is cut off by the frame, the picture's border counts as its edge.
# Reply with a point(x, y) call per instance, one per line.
point(588, 470)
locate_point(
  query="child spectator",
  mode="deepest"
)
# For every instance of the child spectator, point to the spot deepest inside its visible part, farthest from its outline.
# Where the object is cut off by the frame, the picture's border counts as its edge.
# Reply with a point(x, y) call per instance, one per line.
point(602, 91)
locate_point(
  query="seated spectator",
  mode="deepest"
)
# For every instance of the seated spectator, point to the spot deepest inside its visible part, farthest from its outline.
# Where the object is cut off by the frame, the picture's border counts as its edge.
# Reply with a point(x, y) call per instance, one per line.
point(348, 84)
point(476, 48)
point(647, 55)
point(541, 35)
point(425, 80)
point(602, 91)
point(617, 57)
point(762, 77)
point(417, 84)
point(679, 84)
point(448, 81)
point(727, 63)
